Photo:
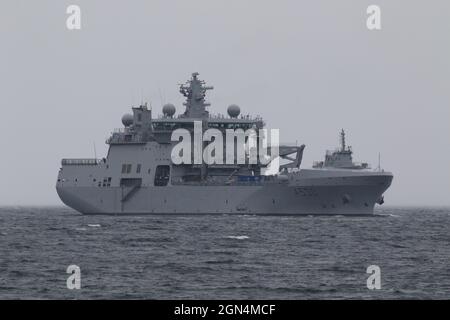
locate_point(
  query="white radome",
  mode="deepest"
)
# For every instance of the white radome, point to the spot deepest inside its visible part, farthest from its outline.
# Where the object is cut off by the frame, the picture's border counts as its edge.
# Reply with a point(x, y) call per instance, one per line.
point(233, 110)
point(127, 119)
point(169, 109)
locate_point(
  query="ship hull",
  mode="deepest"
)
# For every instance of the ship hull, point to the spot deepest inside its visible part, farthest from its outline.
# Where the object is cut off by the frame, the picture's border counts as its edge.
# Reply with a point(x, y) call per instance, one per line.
point(312, 192)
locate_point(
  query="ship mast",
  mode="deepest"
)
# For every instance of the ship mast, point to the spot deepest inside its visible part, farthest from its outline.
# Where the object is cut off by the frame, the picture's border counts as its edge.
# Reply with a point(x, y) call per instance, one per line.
point(195, 90)
point(342, 140)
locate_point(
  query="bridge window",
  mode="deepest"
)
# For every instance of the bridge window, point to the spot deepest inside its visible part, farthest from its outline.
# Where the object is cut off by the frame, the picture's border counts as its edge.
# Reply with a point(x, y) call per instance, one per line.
point(162, 175)
point(126, 168)
point(138, 168)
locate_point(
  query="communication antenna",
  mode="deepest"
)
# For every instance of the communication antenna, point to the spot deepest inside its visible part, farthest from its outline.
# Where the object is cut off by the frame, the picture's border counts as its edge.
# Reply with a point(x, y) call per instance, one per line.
point(161, 98)
point(132, 97)
point(95, 151)
point(379, 161)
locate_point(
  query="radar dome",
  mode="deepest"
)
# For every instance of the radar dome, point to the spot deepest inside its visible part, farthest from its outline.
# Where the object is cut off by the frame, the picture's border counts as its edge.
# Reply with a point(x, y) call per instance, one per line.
point(233, 110)
point(127, 120)
point(169, 110)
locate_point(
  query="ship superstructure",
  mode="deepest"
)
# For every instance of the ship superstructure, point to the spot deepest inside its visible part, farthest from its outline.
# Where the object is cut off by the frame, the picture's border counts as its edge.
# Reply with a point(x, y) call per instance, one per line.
point(340, 158)
point(138, 175)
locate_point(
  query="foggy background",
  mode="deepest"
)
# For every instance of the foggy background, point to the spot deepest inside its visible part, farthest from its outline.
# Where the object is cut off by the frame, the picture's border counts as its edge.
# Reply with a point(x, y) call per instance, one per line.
point(309, 68)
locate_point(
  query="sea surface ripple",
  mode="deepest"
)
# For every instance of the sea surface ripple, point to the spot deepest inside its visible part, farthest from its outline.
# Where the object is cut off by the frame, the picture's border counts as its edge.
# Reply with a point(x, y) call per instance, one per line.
point(224, 256)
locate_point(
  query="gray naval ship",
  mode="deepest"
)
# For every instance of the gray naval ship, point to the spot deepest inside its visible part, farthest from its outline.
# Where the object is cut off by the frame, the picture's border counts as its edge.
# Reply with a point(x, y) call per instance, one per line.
point(138, 175)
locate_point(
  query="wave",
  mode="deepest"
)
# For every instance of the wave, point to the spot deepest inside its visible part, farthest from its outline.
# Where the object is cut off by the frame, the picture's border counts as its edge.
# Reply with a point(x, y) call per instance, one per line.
point(237, 237)
point(386, 215)
point(226, 261)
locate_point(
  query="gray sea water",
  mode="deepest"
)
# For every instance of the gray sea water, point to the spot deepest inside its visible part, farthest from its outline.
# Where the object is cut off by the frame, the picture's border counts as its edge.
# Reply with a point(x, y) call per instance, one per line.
point(224, 257)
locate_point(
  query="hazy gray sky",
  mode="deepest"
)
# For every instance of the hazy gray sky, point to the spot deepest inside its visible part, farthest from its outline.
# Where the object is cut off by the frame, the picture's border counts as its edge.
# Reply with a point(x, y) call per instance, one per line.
point(309, 68)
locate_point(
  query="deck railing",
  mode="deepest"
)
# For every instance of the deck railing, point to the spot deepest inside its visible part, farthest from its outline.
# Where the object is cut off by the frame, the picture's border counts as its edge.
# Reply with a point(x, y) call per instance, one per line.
point(120, 138)
point(80, 162)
